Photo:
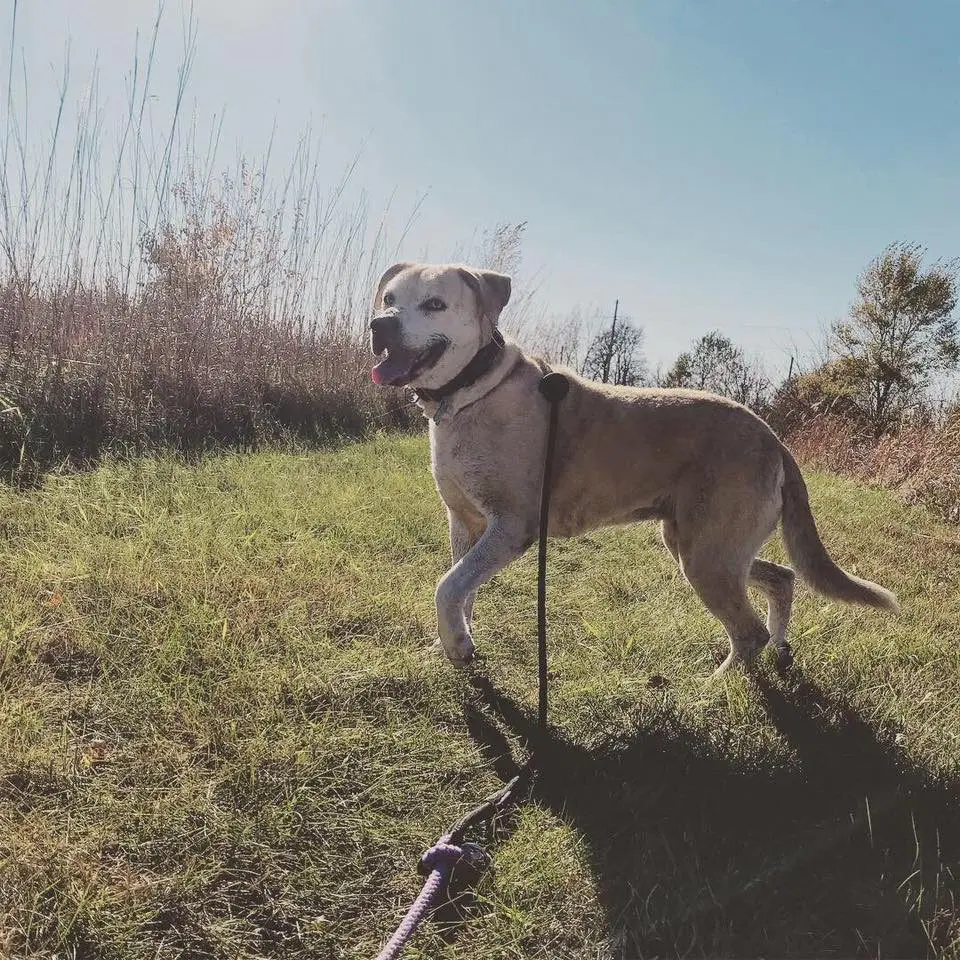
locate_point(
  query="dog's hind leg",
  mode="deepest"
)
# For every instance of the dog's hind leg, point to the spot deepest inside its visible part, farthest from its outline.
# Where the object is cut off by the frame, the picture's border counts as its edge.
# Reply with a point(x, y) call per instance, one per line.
point(776, 583)
point(721, 585)
point(720, 529)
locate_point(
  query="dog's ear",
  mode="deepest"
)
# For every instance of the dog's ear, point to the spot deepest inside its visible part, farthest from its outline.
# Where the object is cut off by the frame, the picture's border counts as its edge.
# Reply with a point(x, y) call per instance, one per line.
point(386, 277)
point(492, 290)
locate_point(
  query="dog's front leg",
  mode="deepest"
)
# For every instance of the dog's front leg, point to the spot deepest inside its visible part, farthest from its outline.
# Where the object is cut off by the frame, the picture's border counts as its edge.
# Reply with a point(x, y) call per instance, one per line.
point(501, 542)
point(462, 539)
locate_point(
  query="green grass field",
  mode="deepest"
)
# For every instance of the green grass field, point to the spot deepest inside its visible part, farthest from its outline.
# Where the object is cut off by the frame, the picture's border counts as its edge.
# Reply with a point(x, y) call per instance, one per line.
point(219, 736)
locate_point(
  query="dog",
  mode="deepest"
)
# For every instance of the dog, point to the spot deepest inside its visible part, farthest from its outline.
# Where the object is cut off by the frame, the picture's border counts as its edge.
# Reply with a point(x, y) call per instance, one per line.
point(713, 473)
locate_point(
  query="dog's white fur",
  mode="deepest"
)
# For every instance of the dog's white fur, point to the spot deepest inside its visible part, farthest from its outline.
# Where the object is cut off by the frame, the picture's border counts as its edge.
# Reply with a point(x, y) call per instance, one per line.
point(711, 471)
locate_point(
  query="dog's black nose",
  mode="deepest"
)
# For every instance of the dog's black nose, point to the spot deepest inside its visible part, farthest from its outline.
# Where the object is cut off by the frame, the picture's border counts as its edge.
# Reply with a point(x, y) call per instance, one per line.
point(384, 326)
point(384, 331)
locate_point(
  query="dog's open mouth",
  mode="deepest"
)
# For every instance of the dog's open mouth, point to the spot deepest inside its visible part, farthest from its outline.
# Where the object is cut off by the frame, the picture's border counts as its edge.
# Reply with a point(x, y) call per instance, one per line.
point(400, 366)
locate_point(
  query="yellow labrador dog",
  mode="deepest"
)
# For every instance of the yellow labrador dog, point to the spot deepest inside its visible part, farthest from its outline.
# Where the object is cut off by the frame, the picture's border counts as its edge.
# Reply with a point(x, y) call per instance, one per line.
point(714, 474)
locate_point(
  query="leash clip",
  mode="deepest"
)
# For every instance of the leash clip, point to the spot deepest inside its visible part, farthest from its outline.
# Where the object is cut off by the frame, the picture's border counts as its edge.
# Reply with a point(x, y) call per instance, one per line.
point(469, 857)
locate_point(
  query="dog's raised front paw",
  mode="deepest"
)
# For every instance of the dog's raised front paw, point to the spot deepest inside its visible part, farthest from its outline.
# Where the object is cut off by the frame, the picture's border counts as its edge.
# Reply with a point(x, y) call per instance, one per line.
point(459, 652)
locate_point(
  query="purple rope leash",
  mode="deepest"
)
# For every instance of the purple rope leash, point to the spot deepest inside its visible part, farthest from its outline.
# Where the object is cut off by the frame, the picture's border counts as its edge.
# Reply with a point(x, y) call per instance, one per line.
point(440, 860)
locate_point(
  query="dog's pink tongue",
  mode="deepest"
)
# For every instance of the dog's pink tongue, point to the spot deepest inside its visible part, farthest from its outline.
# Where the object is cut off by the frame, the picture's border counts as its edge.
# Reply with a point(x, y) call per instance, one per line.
point(391, 369)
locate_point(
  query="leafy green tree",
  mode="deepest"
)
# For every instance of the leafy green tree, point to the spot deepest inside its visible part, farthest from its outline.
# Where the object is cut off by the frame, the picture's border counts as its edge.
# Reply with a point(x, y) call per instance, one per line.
point(714, 363)
point(900, 333)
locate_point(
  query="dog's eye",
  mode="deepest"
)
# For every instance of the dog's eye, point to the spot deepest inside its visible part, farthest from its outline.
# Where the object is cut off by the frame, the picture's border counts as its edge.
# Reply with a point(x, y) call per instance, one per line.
point(389, 299)
point(433, 305)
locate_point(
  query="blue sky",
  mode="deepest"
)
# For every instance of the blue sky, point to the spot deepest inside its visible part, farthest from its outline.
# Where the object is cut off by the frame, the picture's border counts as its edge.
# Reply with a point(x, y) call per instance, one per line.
point(715, 164)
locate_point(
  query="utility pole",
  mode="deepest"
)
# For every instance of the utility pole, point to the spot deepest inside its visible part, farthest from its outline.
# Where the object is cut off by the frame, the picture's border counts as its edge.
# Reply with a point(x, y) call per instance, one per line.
point(613, 339)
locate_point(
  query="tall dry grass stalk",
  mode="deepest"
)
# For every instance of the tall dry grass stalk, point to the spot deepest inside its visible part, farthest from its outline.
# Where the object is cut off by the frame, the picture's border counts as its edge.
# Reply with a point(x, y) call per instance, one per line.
point(147, 301)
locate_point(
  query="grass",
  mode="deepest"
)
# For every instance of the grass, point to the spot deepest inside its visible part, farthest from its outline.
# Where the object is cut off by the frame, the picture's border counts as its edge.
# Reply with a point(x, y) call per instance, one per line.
point(219, 737)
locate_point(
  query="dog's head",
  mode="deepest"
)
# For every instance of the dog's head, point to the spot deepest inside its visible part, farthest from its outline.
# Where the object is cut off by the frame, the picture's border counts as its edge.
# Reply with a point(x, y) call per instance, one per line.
point(430, 319)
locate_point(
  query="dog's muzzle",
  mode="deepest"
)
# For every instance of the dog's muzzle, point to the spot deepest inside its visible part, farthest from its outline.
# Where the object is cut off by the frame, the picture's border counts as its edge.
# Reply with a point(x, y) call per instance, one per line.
point(384, 331)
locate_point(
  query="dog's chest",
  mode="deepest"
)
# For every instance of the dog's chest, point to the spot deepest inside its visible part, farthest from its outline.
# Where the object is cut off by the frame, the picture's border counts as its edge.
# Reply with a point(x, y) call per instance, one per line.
point(454, 471)
point(466, 468)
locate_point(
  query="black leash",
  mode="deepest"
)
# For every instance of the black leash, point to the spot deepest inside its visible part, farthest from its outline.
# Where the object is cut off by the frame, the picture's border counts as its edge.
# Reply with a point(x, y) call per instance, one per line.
point(451, 850)
point(553, 387)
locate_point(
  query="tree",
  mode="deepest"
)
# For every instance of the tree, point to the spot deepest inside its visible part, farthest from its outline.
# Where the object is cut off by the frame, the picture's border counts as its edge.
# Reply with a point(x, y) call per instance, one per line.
point(501, 249)
point(717, 365)
point(615, 354)
point(900, 333)
point(824, 389)
point(559, 339)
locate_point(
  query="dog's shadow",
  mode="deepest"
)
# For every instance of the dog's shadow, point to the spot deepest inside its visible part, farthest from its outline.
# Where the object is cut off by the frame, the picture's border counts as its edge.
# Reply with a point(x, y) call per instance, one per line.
point(848, 850)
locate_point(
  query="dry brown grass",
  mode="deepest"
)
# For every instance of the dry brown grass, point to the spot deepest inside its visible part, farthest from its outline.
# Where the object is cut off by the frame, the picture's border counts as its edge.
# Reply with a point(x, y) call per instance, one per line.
point(147, 303)
point(190, 360)
point(922, 463)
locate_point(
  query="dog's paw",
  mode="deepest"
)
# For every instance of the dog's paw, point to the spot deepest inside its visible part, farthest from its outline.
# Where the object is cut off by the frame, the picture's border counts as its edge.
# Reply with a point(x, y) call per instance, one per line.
point(722, 670)
point(784, 659)
point(432, 650)
point(460, 652)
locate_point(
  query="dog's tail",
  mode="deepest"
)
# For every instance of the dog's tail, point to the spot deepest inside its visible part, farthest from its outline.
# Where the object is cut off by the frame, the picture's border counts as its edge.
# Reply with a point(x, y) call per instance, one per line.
point(809, 555)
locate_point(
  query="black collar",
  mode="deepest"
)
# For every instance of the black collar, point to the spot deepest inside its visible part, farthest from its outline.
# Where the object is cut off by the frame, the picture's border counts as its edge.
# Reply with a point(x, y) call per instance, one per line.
point(482, 362)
